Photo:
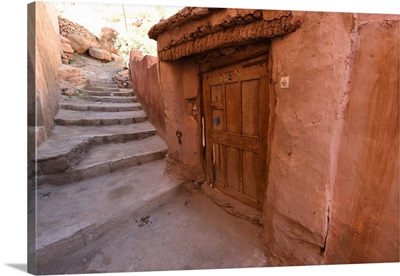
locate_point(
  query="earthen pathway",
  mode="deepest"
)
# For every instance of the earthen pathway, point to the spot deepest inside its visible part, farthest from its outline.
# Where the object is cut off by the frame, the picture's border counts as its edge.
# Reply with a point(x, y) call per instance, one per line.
point(104, 203)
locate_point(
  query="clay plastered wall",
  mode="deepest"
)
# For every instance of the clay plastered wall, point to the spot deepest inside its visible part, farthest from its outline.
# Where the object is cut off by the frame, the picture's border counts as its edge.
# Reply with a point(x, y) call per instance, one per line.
point(44, 57)
point(333, 176)
point(365, 204)
point(180, 86)
point(145, 81)
point(307, 127)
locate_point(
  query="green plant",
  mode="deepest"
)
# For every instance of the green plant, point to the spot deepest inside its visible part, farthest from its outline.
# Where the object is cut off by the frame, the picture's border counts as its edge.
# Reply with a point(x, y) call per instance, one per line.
point(137, 41)
point(136, 38)
point(82, 93)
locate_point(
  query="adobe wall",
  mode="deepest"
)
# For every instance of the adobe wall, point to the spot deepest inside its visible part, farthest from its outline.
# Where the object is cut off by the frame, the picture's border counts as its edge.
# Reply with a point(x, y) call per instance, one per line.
point(307, 125)
point(364, 221)
point(44, 57)
point(181, 88)
point(145, 82)
point(332, 193)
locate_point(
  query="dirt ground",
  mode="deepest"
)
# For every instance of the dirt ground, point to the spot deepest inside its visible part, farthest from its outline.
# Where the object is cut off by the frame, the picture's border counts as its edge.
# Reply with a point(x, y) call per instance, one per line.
point(188, 232)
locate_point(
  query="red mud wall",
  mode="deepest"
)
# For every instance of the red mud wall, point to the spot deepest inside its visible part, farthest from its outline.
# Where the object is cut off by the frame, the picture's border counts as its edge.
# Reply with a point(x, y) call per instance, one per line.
point(333, 194)
point(181, 87)
point(44, 57)
point(307, 120)
point(364, 221)
point(146, 85)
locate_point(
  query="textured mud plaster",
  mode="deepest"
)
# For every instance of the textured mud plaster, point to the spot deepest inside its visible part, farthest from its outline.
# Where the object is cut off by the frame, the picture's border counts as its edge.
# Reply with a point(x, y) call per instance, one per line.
point(146, 85)
point(44, 57)
point(308, 122)
point(365, 205)
point(198, 30)
point(181, 40)
point(180, 86)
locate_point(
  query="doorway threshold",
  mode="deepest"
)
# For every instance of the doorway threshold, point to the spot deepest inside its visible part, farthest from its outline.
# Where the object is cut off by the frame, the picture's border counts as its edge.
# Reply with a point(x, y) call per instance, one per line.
point(232, 206)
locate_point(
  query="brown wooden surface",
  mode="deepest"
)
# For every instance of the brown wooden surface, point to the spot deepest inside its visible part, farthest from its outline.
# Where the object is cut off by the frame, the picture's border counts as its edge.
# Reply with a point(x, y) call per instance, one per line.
point(236, 124)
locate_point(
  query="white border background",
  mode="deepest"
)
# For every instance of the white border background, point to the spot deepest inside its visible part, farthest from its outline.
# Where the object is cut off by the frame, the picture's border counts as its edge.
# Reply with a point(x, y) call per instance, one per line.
point(13, 124)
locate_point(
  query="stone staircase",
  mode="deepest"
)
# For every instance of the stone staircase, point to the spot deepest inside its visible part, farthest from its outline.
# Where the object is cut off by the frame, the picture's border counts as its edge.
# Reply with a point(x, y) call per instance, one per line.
point(102, 132)
point(102, 163)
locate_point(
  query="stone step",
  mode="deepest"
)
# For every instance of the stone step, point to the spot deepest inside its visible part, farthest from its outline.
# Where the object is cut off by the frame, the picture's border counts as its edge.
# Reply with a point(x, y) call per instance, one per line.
point(110, 83)
point(109, 93)
point(108, 158)
point(67, 145)
point(68, 217)
point(112, 99)
point(92, 118)
point(100, 106)
point(101, 88)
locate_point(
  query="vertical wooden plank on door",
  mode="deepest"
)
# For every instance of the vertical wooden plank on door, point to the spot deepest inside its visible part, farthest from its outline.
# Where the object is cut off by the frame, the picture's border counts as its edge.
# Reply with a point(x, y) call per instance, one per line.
point(250, 106)
point(208, 128)
point(233, 98)
point(250, 174)
point(250, 123)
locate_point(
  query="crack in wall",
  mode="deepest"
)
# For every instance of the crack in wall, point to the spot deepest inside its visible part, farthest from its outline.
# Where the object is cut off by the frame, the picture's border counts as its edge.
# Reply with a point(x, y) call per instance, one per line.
point(342, 107)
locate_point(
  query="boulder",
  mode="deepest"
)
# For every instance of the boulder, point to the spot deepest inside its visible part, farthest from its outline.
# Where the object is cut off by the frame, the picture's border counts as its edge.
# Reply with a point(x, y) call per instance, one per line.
point(100, 53)
point(68, 27)
point(78, 43)
point(66, 48)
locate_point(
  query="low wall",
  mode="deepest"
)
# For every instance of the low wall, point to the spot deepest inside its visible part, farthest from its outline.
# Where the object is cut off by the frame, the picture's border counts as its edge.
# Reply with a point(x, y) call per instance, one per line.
point(146, 85)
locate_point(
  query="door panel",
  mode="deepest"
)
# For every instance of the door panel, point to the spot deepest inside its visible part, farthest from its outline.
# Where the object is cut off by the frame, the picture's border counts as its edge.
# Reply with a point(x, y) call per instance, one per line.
point(250, 178)
point(233, 168)
point(236, 116)
point(233, 108)
point(250, 101)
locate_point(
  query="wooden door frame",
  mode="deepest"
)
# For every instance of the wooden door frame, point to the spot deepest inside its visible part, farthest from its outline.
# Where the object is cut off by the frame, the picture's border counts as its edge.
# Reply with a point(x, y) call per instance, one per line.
point(250, 59)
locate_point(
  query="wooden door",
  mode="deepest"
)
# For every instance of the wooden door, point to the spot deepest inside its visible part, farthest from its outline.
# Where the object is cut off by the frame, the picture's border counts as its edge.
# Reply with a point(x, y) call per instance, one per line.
point(236, 127)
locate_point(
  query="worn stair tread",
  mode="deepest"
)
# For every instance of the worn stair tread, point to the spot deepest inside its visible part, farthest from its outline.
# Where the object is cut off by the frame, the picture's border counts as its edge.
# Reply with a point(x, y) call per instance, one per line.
point(100, 106)
point(73, 117)
point(103, 159)
point(64, 213)
point(102, 83)
point(64, 138)
point(112, 99)
point(106, 153)
point(101, 89)
point(110, 93)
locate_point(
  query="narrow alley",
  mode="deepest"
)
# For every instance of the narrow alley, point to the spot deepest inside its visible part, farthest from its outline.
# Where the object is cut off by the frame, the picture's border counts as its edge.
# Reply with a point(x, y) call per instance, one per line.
point(210, 138)
point(105, 205)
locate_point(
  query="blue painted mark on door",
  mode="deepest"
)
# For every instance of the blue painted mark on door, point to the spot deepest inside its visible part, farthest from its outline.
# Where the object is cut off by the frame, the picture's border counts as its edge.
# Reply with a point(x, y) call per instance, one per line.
point(217, 120)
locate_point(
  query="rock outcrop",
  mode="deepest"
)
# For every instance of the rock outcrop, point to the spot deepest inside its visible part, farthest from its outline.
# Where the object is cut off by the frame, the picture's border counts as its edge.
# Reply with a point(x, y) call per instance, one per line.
point(77, 39)
point(68, 27)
